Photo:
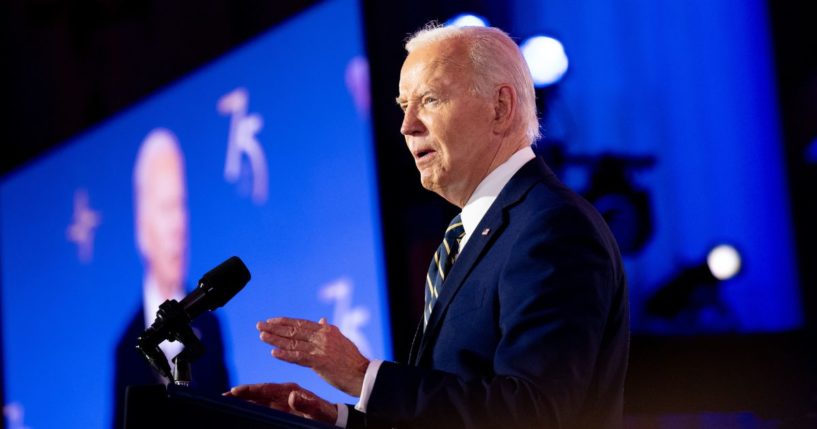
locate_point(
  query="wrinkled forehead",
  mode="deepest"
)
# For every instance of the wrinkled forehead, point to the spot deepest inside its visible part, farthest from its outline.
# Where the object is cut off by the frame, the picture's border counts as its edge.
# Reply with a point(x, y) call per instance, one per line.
point(439, 64)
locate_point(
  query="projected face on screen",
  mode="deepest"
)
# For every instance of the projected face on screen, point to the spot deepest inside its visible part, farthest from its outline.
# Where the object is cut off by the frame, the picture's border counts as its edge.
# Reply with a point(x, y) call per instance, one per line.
point(265, 154)
point(160, 197)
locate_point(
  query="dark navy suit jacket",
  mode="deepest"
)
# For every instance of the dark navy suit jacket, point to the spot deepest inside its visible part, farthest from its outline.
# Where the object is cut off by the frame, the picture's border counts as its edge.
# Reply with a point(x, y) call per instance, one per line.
point(531, 328)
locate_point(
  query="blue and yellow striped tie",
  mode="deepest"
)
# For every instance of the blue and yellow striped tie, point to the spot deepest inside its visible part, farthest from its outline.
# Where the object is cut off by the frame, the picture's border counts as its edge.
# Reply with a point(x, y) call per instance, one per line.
point(441, 264)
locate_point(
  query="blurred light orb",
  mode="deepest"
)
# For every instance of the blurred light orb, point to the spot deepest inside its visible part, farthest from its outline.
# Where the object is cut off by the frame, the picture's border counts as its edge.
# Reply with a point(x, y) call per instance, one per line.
point(723, 261)
point(546, 59)
point(467, 20)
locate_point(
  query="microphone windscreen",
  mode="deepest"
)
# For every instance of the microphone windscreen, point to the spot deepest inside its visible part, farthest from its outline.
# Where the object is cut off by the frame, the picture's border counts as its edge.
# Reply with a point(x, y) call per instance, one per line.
point(224, 281)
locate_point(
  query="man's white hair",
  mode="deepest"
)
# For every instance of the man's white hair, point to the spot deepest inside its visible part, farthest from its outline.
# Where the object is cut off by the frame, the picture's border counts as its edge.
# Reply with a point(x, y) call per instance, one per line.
point(495, 58)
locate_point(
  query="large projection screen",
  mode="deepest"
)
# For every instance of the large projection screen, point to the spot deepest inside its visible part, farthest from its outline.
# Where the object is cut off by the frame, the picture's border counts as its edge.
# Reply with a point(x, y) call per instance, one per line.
point(279, 169)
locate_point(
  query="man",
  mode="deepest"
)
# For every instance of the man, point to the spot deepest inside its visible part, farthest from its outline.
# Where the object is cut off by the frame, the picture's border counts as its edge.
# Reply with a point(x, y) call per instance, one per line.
point(528, 326)
point(160, 203)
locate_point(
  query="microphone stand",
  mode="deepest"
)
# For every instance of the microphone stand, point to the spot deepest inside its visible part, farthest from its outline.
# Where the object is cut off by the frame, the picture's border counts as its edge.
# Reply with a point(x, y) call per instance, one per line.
point(171, 324)
point(193, 349)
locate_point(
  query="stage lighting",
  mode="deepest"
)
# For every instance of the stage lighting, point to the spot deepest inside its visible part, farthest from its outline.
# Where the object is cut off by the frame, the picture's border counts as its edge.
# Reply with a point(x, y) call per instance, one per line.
point(467, 20)
point(723, 262)
point(696, 287)
point(546, 59)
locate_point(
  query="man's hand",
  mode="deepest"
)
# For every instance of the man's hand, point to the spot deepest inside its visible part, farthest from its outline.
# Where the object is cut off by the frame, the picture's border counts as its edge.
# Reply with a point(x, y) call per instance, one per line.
point(287, 397)
point(319, 346)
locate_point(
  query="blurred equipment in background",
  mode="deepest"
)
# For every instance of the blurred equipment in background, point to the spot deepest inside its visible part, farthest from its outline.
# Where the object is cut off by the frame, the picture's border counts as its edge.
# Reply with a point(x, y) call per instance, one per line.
point(693, 295)
point(624, 205)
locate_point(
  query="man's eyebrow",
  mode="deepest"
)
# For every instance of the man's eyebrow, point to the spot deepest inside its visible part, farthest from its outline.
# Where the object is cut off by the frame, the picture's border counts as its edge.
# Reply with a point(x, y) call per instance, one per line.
point(401, 99)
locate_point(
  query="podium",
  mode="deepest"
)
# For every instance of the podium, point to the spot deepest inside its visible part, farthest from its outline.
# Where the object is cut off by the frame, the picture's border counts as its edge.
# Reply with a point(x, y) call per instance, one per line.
point(174, 407)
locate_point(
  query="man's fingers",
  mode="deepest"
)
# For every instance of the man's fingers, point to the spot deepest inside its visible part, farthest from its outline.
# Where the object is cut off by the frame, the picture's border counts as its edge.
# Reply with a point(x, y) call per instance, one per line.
point(310, 406)
point(270, 395)
point(287, 343)
point(289, 332)
point(292, 356)
point(245, 391)
point(288, 322)
point(287, 397)
point(301, 402)
point(263, 392)
point(290, 329)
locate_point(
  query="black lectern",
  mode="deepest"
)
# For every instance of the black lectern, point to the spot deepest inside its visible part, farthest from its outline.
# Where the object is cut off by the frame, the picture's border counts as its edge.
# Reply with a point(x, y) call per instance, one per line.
point(174, 407)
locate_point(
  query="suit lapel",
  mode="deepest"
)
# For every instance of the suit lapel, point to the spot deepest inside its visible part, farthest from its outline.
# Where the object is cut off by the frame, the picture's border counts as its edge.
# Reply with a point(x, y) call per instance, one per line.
point(415, 344)
point(465, 262)
point(493, 222)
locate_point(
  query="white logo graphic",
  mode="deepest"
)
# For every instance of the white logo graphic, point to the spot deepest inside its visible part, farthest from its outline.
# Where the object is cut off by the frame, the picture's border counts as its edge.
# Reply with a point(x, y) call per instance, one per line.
point(350, 320)
point(85, 223)
point(357, 83)
point(242, 141)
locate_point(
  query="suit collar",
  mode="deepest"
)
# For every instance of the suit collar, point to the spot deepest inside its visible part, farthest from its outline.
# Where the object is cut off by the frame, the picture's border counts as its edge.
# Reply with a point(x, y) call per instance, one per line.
point(487, 191)
point(490, 227)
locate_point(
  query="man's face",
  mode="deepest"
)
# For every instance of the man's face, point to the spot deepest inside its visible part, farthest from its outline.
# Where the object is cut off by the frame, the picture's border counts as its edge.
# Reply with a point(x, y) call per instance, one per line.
point(164, 222)
point(448, 128)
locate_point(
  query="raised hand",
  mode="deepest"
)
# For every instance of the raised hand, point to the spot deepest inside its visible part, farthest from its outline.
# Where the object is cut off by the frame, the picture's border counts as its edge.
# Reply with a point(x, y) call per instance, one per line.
point(287, 397)
point(319, 346)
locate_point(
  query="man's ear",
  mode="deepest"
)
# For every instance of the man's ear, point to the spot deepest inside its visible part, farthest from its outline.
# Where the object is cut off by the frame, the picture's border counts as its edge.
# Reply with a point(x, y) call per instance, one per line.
point(504, 108)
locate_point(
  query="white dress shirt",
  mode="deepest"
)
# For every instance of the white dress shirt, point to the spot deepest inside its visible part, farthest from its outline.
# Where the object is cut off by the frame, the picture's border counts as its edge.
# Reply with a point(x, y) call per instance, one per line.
point(153, 298)
point(478, 204)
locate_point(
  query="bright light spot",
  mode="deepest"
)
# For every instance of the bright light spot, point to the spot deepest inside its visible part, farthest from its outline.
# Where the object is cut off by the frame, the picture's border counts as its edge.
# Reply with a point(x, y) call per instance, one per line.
point(546, 59)
point(467, 20)
point(723, 261)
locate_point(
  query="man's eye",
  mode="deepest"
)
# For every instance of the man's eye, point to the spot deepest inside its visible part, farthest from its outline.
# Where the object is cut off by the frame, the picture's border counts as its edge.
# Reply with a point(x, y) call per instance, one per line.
point(429, 100)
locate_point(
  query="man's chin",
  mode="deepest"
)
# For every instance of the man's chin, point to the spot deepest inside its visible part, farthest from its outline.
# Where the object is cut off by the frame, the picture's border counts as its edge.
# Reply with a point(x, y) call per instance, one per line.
point(443, 191)
point(429, 183)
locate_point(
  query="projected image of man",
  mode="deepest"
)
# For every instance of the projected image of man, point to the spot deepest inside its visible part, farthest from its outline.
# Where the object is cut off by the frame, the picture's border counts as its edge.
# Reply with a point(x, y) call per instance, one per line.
point(161, 230)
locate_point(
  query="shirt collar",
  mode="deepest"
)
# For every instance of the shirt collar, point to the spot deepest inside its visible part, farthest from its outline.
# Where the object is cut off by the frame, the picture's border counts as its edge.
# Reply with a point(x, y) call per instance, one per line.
point(486, 192)
point(153, 299)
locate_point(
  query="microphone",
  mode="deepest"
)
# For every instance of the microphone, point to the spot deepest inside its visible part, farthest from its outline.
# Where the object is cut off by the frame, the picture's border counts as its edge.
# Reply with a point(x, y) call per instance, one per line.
point(215, 288)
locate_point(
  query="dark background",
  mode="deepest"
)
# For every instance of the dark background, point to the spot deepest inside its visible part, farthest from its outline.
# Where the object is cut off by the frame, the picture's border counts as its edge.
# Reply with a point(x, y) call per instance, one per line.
point(67, 65)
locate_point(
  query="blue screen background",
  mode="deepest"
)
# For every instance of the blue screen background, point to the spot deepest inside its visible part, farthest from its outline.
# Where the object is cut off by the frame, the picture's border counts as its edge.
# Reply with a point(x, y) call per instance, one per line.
point(318, 225)
point(692, 85)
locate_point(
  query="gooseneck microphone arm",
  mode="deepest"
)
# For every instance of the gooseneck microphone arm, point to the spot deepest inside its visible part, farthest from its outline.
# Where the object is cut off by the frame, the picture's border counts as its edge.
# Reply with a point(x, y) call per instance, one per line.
point(215, 288)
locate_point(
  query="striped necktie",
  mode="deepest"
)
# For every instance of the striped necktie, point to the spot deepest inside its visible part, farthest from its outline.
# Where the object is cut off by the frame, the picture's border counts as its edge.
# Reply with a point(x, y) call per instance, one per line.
point(441, 265)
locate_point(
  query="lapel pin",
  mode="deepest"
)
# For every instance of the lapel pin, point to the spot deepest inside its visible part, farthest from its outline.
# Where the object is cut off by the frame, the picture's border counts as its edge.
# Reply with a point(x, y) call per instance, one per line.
point(486, 231)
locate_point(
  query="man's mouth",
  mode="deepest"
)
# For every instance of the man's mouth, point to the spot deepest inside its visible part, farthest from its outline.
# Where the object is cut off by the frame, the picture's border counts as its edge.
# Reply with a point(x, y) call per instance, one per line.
point(423, 153)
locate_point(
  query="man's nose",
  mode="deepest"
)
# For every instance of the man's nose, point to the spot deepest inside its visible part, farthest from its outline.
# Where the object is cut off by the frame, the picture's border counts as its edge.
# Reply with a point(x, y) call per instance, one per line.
point(411, 123)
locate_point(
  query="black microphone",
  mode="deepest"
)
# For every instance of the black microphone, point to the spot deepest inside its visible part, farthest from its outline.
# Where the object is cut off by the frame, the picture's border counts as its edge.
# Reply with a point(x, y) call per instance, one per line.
point(215, 288)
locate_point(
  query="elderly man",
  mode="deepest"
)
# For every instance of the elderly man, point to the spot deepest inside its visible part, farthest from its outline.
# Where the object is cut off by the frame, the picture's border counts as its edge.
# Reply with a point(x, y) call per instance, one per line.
point(526, 317)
